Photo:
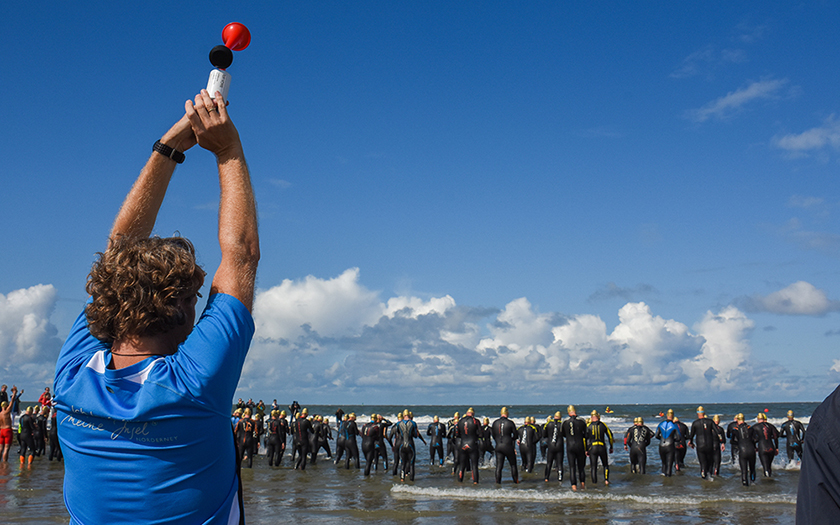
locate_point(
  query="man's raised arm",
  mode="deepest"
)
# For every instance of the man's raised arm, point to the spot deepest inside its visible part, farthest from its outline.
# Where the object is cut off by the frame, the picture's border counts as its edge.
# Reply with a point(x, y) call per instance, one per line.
point(139, 211)
point(238, 236)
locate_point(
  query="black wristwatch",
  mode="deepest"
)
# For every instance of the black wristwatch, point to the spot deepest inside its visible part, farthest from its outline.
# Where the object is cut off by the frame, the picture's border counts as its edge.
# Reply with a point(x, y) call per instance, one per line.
point(166, 151)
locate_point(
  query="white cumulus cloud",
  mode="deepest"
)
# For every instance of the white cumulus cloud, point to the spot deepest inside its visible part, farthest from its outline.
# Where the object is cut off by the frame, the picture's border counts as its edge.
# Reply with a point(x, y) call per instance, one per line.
point(800, 298)
point(28, 342)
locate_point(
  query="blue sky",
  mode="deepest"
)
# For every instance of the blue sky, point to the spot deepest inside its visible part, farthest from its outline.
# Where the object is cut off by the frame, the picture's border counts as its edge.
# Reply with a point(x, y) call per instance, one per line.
point(487, 202)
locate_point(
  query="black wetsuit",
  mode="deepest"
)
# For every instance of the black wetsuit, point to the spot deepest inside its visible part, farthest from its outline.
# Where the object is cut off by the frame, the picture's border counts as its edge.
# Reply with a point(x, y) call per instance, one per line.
point(339, 441)
point(313, 441)
point(667, 432)
point(395, 439)
point(553, 437)
point(26, 436)
point(704, 438)
point(245, 440)
point(543, 439)
point(574, 431)
point(733, 441)
point(301, 436)
point(452, 445)
point(468, 430)
point(486, 442)
point(717, 455)
point(528, 440)
point(276, 441)
point(350, 444)
point(436, 431)
point(505, 436)
point(747, 438)
point(55, 447)
point(768, 445)
point(407, 431)
point(371, 434)
point(597, 436)
point(324, 438)
point(681, 445)
point(794, 432)
point(382, 449)
point(40, 435)
point(637, 438)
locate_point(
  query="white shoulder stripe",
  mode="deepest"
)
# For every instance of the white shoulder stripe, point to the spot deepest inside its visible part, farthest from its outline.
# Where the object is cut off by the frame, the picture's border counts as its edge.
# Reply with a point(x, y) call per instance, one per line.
point(97, 364)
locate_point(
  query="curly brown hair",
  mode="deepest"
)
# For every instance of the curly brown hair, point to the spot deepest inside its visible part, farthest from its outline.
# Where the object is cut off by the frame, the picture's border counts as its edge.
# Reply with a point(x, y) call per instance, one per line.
point(136, 285)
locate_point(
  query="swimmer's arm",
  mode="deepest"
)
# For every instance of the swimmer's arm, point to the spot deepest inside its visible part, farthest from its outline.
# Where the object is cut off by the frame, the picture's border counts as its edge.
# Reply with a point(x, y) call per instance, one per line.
point(139, 211)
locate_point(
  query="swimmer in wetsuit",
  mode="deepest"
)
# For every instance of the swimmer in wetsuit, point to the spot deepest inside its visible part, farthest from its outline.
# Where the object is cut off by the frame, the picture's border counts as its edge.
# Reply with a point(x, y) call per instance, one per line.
point(371, 434)
point(282, 431)
point(26, 435)
point(301, 437)
point(383, 450)
point(436, 431)
point(325, 437)
point(486, 440)
point(733, 440)
point(452, 445)
point(794, 432)
point(747, 438)
point(667, 432)
point(55, 446)
point(597, 435)
point(768, 443)
point(505, 436)
point(339, 439)
point(703, 432)
point(718, 452)
point(407, 430)
point(350, 444)
point(681, 444)
point(245, 438)
point(637, 438)
point(553, 436)
point(528, 440)
point(468, 431)
point(574, 432)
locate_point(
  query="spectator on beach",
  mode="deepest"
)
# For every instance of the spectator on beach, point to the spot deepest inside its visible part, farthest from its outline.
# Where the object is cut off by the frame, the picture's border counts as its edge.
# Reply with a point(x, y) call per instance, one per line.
point(4, 396)
point(46, 398)
point(144, 393)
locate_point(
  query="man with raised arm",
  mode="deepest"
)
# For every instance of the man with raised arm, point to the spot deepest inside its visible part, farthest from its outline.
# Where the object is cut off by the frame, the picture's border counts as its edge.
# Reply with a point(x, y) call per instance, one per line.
point(144, 393)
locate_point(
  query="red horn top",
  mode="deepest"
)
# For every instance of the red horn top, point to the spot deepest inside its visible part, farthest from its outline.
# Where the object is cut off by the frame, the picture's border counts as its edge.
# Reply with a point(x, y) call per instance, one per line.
point(236, 36)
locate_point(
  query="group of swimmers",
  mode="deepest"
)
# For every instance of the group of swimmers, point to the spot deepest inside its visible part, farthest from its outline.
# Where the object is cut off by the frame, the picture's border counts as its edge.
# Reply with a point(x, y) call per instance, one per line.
point(35, 428)
point(469, 439)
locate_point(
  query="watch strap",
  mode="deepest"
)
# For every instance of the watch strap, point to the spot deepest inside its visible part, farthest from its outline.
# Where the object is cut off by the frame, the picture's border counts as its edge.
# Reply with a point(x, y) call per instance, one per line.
point(166, 151)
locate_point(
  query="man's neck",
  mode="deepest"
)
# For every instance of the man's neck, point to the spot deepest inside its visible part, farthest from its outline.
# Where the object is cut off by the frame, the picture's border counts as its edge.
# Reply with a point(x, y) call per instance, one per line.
point(132, 350)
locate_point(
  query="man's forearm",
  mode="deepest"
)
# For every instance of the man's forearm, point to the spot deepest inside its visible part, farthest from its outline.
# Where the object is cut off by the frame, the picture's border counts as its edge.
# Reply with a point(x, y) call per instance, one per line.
point(139, 211)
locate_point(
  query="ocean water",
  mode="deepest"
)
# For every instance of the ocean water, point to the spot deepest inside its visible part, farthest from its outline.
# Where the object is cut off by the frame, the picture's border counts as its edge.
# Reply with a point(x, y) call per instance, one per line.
point(324, 493)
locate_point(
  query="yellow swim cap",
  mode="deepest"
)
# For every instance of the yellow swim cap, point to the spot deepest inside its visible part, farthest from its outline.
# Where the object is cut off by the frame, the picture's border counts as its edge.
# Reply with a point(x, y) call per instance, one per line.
point(504, 411)
point(470, 411)
point(716, 418)
point(700, 410)
point(761, 416)
point(670, 412)
point(558, 415)
point(305, 411)
point(595, 414)
point(740, 417)
point(456, 415)
point(282, 413)
point(790, 413)
point(571, 409)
